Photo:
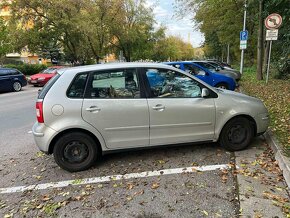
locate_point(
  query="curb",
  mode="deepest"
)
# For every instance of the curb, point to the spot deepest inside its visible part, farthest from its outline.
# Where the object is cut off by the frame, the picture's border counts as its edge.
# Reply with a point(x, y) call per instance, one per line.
point(283, 161)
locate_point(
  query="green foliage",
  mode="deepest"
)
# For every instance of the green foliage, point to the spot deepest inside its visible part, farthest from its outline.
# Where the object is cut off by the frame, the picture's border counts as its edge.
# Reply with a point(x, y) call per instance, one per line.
point(5, 44)
point(27, 69)
point(222, 20)
point(281, 48)
point(86, 31)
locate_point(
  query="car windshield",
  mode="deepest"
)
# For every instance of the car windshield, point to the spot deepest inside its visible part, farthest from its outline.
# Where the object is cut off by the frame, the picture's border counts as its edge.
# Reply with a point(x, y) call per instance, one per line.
point(49, 70)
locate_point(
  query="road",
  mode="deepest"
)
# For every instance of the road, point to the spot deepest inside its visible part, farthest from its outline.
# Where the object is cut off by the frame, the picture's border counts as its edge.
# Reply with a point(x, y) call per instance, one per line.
point(17, 115)
point(197, 193)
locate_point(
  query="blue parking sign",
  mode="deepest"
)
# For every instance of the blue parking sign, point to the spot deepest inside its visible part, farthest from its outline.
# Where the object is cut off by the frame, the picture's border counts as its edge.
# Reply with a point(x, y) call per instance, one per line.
point(244, 35)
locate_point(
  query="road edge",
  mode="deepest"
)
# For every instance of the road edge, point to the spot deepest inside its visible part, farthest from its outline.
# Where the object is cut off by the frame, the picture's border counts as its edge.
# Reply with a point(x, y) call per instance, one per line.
point(282, 160)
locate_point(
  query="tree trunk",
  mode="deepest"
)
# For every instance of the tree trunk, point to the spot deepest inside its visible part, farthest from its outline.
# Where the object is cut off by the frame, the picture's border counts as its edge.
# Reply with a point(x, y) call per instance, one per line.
point(260, 43)
point(266, 54)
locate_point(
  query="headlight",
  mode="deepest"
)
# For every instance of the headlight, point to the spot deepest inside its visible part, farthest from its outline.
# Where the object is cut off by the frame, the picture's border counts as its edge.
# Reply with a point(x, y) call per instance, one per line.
point(41, 79)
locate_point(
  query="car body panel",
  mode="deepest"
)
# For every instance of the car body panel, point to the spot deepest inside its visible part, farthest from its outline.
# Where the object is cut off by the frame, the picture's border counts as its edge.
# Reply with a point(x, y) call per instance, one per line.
point(182, 120)
point(123, 123)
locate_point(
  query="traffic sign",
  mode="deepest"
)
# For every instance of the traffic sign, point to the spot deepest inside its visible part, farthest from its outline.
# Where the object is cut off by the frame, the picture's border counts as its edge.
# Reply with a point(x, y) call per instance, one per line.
point(272, 34)
point(243, 44)
point(244, 35)
point(273, 21)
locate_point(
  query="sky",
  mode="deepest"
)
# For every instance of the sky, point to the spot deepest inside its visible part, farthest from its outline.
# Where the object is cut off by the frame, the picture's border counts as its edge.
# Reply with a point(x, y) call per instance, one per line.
point(164, 14)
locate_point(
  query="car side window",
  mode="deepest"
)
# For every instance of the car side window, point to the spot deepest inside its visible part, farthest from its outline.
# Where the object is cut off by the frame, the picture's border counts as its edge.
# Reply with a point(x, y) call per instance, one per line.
point(77, 88)
point(194, 70)
point(171, 84)
point(121, 83)
point(4, 72)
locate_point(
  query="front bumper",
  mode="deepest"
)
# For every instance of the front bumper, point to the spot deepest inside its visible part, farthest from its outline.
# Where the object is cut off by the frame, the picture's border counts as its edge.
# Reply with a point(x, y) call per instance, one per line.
point(262, 121)
point(43, 136)
point(37, 82)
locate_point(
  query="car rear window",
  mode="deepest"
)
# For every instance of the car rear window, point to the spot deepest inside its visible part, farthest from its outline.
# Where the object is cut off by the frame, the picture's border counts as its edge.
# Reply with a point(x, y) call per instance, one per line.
point(47, 86)
point(77, 87)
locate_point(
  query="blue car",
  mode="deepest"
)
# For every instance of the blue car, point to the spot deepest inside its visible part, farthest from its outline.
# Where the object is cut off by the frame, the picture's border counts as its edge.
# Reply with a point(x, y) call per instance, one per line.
point(11, 80)
point(213, 79)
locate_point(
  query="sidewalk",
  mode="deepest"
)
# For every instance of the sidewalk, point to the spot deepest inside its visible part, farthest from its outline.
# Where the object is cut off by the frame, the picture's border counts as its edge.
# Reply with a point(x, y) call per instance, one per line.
point(262, 189)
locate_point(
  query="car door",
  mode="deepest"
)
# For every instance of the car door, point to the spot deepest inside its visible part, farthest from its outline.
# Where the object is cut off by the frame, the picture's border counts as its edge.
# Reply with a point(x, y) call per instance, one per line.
point(115, 107)
point(177, 111)
point(5, 80)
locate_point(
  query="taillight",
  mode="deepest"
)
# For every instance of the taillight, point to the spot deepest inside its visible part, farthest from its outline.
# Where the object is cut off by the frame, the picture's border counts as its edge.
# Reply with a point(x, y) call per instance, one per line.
point(39, 112)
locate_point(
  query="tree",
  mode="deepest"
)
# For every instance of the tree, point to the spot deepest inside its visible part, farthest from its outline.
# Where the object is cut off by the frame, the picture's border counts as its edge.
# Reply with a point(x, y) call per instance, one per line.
point(133, 30)
point(5, 45)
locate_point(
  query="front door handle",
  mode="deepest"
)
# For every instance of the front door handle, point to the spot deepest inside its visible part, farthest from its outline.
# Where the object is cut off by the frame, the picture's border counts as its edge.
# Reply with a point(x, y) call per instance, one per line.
point(158, 107)
point(93, 109)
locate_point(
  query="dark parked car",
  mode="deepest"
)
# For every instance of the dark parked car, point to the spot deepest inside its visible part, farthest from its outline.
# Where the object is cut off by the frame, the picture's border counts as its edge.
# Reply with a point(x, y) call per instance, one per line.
point(11, 80)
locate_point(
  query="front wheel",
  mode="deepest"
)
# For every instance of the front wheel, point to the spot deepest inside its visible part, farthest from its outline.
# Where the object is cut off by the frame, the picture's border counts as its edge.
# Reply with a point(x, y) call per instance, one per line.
point(17, 86)
point(75, 151)
point(222, 86)
point(237, 134)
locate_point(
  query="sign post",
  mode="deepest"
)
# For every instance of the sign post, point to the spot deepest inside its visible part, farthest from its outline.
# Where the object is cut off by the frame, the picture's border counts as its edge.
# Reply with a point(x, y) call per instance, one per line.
point(243, 39)
point(272, 23)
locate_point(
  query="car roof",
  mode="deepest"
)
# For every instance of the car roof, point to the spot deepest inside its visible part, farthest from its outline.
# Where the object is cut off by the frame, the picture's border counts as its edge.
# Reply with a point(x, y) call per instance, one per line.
point(113, 66)
point(179, 62)
point(4, 68)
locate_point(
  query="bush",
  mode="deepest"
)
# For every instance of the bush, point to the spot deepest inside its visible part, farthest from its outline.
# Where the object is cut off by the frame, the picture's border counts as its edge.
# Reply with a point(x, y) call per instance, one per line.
point(28, 69)
point(283, 69)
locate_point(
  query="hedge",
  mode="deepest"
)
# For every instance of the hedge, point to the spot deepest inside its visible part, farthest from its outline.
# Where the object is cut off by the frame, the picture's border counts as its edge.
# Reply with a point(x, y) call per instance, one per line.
point(27, 69)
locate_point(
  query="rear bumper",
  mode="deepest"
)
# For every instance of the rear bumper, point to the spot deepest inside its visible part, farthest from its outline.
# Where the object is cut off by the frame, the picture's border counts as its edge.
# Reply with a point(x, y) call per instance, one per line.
point(43, 136)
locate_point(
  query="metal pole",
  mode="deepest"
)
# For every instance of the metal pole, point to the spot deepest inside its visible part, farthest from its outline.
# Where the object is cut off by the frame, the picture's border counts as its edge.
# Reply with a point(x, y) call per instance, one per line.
point(268, 67)
point(228, 54)
point(244, 28)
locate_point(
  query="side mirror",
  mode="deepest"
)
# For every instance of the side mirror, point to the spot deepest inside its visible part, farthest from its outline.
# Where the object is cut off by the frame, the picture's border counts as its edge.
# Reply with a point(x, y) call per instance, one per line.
point(39, 90)
point(204, 93)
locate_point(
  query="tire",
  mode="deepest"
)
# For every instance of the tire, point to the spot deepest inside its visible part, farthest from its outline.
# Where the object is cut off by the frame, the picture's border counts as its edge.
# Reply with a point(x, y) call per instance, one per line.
point(222, 86)
point(237, 134)
point(17, 86)
point(75, 151)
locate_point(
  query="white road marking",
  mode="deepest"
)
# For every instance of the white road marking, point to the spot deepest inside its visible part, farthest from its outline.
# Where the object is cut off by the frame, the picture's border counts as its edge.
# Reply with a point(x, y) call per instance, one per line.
point(101, 179)
point(29, 132)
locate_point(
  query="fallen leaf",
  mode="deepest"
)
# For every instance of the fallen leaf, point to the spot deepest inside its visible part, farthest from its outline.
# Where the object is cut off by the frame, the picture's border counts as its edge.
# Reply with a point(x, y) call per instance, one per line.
point(155, 185)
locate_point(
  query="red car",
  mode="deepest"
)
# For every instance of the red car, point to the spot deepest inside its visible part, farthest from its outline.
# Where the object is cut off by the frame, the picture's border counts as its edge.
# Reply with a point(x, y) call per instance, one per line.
point(40, 79)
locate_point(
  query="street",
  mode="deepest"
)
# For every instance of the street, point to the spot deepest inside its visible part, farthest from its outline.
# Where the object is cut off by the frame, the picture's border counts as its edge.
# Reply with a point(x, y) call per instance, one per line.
point(209, 192)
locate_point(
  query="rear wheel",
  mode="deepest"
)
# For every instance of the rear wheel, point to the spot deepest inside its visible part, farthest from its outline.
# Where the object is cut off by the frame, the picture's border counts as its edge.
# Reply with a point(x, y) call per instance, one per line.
point(222, 86)
point(75, 151)
point(237, 134)
point(17, 86)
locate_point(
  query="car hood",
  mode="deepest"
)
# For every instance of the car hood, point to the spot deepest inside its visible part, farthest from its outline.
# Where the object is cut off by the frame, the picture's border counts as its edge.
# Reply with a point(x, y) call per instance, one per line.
point(39, 75)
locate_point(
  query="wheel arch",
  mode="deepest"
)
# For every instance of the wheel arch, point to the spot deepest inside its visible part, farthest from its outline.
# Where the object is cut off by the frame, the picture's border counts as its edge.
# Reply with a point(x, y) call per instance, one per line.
point(56, 137)
point(248, 117)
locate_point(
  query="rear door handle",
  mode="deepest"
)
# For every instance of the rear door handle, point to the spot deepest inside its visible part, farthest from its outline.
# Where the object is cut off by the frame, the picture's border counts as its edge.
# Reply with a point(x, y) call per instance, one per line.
point(93, 109)
point(158, 107)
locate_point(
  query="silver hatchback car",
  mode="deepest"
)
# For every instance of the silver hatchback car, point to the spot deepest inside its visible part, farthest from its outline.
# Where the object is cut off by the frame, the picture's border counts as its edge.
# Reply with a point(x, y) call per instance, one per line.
point(83, 112)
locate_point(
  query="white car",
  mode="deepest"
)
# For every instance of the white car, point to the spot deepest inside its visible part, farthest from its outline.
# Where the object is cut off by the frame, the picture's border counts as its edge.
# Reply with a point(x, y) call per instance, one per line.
point(86, 111)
